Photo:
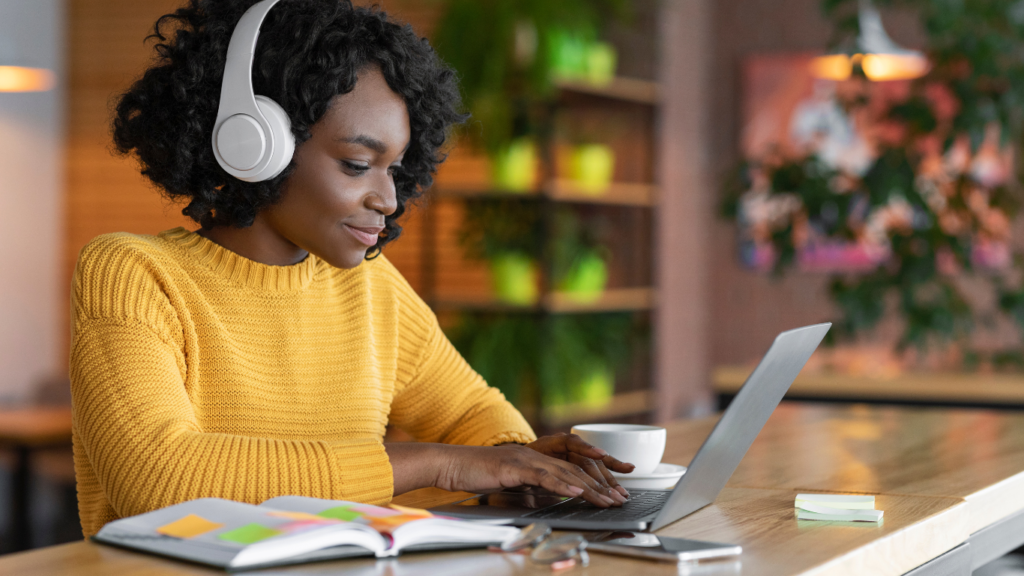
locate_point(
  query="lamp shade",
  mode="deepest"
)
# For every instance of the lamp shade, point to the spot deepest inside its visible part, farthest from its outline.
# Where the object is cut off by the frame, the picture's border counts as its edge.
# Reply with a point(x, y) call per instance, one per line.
point(878, 56)
point(23, 79)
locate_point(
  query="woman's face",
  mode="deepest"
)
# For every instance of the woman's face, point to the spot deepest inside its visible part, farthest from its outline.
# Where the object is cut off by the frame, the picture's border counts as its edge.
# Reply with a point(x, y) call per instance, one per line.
point(334, 203)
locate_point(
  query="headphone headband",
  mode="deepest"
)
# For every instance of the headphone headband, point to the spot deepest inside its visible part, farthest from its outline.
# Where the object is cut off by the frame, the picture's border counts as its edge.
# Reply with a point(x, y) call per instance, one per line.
point(236, 93)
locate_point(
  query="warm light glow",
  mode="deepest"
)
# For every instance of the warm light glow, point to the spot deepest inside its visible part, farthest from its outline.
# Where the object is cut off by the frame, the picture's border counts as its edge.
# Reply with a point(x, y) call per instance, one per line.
point(20, 79)
point(833, 67)
point(881, 67)
point(877, 67)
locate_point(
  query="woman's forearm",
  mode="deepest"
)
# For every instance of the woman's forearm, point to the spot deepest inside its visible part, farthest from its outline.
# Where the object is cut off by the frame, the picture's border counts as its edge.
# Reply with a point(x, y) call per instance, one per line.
point(415, 464)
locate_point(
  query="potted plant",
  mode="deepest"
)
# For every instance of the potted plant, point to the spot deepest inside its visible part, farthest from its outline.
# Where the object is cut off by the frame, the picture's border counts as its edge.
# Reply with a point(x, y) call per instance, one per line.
point(508, 54)
point(925, 208)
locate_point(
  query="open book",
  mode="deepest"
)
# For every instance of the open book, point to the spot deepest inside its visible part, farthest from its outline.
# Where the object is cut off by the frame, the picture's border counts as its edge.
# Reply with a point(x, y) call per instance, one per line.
point(291, 530)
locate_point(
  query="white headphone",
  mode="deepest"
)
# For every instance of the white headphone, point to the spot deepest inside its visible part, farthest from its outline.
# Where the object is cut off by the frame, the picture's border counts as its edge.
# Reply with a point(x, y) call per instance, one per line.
point(252, 138)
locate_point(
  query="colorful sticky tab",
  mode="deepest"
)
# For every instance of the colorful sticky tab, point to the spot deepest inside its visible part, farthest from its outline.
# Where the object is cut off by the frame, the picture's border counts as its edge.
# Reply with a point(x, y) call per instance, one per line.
point(375, 511)
point(296, 515)
point(343, 513)
point(248, 534)
point(188, 527)
point(304, 525)
point(411, 511)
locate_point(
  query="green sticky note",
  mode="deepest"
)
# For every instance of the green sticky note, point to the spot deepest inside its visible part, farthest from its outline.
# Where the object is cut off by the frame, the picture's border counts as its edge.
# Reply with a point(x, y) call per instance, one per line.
point(343, 513)
point(249, 534)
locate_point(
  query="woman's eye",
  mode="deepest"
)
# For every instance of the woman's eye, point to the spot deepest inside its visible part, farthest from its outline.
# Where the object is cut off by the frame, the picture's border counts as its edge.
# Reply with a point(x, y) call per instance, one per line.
point(353, 167)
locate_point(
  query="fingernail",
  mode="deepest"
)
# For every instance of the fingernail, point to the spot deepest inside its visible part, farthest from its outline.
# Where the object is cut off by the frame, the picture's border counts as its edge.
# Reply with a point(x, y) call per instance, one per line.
point(576, 490)
point(622, 491)
point(599, 451)
point(607, 500)
point(616, 496)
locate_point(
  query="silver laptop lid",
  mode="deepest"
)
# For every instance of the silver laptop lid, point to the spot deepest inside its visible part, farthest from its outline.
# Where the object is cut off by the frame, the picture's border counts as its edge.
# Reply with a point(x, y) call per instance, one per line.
point(721, 453)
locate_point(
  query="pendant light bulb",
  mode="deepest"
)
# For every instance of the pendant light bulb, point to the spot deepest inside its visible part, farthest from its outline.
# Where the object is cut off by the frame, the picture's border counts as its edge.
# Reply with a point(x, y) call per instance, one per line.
point(22, 79)
point(879, 57)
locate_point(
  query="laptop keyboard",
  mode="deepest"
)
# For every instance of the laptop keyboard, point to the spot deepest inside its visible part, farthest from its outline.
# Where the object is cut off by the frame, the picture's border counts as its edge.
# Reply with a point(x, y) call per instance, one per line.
point(639, 505)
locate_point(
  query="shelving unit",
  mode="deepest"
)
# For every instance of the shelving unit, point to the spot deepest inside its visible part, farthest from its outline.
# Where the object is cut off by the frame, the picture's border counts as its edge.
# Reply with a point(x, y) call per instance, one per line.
point(565, 190)
point(626, 404)
point(626, 198)
point(624, 89)
point(611, 300)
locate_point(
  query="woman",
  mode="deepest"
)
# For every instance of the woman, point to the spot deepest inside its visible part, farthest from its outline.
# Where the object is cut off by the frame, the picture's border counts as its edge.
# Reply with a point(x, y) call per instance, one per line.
point(264, 354)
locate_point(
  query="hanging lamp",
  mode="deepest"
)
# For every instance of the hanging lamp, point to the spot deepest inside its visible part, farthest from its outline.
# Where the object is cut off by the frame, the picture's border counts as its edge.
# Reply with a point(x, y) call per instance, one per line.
point(24, 79)
point(15, 76)
point(879, 57)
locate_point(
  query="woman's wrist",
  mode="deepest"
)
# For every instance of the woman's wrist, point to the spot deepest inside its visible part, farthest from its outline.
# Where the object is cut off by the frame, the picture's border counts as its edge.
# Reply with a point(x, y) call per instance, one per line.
point(417, 465)
point(413, 465)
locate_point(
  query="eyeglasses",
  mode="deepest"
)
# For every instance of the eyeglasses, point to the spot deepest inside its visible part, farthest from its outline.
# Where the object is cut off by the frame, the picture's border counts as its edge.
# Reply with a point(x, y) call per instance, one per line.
point(559, 553)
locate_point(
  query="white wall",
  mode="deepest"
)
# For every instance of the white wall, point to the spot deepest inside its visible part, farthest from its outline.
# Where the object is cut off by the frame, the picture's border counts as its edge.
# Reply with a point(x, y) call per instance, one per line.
point(31, 202)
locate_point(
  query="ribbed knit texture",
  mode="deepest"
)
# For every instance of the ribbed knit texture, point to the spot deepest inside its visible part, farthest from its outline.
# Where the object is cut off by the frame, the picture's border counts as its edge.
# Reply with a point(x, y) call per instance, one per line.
point(196, 372)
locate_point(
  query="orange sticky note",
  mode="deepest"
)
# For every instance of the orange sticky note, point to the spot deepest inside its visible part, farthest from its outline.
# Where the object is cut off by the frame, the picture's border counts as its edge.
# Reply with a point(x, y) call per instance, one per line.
point(188, 527)
point(411, 511)
point(297, 516)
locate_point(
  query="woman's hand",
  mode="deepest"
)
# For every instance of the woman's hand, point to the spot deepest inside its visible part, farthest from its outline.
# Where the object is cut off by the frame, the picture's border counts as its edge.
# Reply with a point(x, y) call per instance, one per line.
point(489, 468)
point(594, 461)
point(478, 469)
point(563, 464)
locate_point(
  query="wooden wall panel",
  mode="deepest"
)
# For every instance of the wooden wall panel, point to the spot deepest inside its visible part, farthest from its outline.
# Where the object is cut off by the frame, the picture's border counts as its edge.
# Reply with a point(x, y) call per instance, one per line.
point(105, 193)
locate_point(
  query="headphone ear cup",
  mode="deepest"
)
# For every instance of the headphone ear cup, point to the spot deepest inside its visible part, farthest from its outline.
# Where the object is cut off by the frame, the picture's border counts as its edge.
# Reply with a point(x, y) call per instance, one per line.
point(284, 140)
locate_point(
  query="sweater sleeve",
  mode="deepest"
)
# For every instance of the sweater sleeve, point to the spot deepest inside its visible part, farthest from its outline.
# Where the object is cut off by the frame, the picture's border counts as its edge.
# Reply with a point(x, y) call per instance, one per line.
point(137, 427)
point(440, 398)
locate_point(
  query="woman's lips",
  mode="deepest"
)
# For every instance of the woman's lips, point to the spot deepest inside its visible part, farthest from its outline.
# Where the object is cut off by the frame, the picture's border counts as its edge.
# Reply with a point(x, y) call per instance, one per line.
point(367, 235)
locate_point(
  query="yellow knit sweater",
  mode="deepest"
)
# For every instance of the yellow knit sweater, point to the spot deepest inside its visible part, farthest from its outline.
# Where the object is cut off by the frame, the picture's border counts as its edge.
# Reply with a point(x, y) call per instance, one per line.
point(196, 372)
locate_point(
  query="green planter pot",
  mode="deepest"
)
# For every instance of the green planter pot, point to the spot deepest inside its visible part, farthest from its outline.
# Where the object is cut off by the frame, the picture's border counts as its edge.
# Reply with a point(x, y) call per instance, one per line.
point(575, 58)
point(514, 276)
point(515, 166)
point(596, 389)
point(601, 63)
point(569, 56)
point(592, 168)
point(586, 280)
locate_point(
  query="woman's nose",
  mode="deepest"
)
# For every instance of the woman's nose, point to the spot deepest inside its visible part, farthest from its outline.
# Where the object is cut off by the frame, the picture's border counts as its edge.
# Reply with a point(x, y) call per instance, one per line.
point(384, 197)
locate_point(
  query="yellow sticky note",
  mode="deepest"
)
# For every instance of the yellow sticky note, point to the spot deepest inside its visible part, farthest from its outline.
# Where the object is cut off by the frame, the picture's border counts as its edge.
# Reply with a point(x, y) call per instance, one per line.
point(188, 527)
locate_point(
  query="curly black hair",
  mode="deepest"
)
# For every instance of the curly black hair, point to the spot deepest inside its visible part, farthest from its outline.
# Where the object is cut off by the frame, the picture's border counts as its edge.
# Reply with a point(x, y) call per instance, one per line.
point(308, 52)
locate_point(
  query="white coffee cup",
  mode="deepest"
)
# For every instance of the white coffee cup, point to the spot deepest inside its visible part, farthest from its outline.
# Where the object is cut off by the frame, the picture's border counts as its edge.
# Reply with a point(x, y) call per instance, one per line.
point(642, 446)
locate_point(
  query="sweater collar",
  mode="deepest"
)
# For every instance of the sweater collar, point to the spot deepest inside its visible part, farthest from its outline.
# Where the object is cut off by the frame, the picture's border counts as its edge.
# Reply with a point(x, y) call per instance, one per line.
point(240, 269)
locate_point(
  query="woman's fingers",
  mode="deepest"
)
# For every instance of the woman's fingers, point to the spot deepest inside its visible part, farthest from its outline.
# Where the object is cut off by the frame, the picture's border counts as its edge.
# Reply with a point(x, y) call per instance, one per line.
point(611, 479)
point(593, 480)
point(591, 491)
point(556, 481)
point(612, 463)
point(593, 469)
point(574, 443)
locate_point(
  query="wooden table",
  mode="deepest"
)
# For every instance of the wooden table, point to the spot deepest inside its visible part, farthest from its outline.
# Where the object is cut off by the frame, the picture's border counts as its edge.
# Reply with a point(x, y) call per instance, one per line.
point(24, 431)
point(951, 483)
point(917, 388)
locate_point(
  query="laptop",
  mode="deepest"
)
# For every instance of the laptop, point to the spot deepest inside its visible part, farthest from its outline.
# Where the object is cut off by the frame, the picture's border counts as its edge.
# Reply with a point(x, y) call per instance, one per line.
point(705, 477)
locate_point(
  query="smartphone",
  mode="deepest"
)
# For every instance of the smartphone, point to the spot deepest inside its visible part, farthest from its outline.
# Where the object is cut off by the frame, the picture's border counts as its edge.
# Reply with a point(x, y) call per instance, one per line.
point(663, 548)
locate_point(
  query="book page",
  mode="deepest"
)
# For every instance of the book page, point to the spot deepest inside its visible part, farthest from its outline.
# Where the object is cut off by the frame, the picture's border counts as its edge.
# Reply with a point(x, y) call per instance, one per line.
point(404, 526)
point(225, 533)
point(381, 519)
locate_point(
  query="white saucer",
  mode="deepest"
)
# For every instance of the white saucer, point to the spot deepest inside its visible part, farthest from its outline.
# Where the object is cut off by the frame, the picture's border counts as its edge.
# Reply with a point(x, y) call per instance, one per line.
point(664, 477)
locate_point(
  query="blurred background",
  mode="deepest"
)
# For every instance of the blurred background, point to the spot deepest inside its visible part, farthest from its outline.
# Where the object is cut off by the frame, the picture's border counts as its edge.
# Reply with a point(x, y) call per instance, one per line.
point(647, 193)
